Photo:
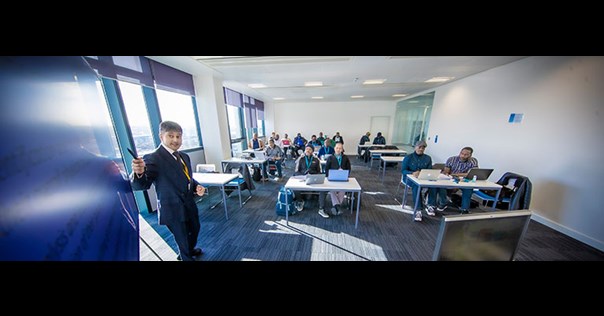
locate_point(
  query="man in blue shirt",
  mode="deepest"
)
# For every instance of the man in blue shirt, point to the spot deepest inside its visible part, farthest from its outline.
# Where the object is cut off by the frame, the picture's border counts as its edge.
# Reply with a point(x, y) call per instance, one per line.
point(412, 164)
point(326, 149)
point(459, 166)
point(256, 143)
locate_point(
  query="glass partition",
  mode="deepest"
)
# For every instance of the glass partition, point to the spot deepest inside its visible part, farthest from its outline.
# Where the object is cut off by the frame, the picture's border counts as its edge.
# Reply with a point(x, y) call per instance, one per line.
point(412, 119)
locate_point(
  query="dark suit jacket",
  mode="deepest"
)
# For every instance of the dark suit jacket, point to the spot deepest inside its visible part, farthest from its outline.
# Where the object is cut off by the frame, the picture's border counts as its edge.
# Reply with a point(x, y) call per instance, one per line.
point(175, 200)
point(332, 163)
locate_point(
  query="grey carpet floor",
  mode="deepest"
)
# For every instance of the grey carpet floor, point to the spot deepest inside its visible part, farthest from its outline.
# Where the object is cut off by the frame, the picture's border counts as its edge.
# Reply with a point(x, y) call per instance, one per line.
point(385, 232)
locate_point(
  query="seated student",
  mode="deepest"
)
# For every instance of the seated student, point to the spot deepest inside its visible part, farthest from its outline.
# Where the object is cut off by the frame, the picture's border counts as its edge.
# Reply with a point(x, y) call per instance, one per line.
point(278, 141)
point(307, 164)
point(321, 138)
point(299, 144)
point(274, 155)
point(326, 149)
point(286, 142)
point(336, 161)
point(379, 139)
point(338, 139)
point(459, 166)
point(412, 164)
point(314, 142)
point(255, 143)
point(364, 139)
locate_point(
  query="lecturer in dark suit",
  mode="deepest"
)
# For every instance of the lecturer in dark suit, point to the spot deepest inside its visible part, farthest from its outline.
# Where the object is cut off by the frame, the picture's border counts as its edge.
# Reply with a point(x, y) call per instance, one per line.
point(170, 171)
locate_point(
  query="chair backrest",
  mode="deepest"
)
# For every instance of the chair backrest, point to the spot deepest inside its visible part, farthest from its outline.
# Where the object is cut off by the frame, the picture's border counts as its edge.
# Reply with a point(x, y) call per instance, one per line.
point(517, 188)
point(438, 165)
point(205, 168)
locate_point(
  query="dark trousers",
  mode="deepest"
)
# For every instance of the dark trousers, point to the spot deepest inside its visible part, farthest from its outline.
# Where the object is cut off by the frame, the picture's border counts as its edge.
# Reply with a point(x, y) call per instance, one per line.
point(185, 234)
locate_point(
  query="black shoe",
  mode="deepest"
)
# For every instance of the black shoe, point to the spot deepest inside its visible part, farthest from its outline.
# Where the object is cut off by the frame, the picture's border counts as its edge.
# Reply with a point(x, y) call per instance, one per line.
point(197, 252)
point(462, 211)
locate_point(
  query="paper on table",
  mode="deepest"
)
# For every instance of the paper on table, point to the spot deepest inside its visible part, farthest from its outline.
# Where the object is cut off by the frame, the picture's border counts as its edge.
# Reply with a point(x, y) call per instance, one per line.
point(443, 176)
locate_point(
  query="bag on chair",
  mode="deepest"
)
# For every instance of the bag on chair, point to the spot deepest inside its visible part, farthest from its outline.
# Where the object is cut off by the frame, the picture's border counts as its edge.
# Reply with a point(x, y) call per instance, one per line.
point(281, 207)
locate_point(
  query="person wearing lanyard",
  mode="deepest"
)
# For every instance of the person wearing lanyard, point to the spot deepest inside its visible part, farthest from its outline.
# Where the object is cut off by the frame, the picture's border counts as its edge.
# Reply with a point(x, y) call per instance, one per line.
point(337, 161)
point(307, 164)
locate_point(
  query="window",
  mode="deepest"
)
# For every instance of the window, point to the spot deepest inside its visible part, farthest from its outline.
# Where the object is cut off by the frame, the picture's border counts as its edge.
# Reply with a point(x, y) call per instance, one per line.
point(179, 108)
point(234, 116)
point(136, 112)
point(237, 148)
point(260, 128)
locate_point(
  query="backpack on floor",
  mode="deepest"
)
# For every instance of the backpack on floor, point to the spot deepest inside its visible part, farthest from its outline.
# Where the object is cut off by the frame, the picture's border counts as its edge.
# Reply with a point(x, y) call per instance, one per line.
point(281, 207)
point(256, 175)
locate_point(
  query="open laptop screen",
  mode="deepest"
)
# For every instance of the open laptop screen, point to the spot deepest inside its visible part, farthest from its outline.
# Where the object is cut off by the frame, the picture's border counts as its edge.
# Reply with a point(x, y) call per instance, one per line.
point(338, 175)
point(480, 173)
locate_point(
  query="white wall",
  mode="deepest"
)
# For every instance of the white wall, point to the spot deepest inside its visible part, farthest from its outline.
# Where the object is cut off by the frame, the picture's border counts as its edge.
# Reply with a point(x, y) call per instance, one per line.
point(558, 145)
point(352, 119)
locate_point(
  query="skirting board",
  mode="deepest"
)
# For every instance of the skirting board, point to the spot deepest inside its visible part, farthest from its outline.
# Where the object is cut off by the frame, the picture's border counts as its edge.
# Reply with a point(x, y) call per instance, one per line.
point(568, 231)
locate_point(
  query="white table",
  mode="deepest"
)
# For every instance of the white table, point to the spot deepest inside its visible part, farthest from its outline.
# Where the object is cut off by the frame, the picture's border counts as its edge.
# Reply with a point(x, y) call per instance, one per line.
point(361, 147)
point(386, 159)
point(381, 152)
point(296, 184)
point(218, 180)
point(449, 184)
point(252, 161)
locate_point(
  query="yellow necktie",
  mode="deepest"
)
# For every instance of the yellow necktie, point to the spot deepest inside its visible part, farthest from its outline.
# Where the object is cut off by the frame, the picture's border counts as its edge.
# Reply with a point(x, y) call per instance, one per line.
point(184, 166)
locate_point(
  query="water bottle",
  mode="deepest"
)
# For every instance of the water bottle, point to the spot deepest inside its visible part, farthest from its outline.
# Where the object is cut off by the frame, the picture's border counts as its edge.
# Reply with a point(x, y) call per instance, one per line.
point(474, 179)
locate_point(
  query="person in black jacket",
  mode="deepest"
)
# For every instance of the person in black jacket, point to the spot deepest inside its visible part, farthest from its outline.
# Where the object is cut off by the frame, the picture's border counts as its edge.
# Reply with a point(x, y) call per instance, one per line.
point(307, 164)
point(338, 139)
point(170, 171)
point(363, 140)
point(337, 161)
point(379, 139)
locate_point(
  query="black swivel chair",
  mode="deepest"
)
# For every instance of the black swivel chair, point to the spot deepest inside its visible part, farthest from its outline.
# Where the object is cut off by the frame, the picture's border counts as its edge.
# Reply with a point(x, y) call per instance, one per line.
point(515, 194)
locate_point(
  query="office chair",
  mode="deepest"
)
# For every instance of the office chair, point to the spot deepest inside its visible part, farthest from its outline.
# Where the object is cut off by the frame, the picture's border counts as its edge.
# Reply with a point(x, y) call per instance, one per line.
point(516, 192)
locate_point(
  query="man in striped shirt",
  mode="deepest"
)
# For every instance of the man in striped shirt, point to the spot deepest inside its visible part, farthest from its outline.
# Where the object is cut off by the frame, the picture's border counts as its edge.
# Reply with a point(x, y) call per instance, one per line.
point(459, 166)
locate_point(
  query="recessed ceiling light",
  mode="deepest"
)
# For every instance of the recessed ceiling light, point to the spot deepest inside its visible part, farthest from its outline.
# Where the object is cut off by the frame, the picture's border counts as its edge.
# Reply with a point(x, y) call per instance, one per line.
point(399, 95)
point(357, 96)
point(374, 81)
point(313, 83)
point(256, 85)
point(278, 99)
point(317, 98)
point(439, 79)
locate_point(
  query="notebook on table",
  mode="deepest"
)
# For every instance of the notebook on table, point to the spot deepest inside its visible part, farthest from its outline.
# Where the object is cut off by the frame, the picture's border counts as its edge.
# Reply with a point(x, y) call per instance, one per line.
point(480, 173)
point(315, 178)
point(338, 175)
point(429, 174)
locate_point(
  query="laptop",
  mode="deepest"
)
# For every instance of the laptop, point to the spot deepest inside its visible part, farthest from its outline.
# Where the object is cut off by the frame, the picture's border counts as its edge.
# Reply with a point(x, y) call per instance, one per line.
point(259, 155)
point(338, 175)
point(285, 142)
point(315, 178)
point(429, 174)
point(480, 173)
